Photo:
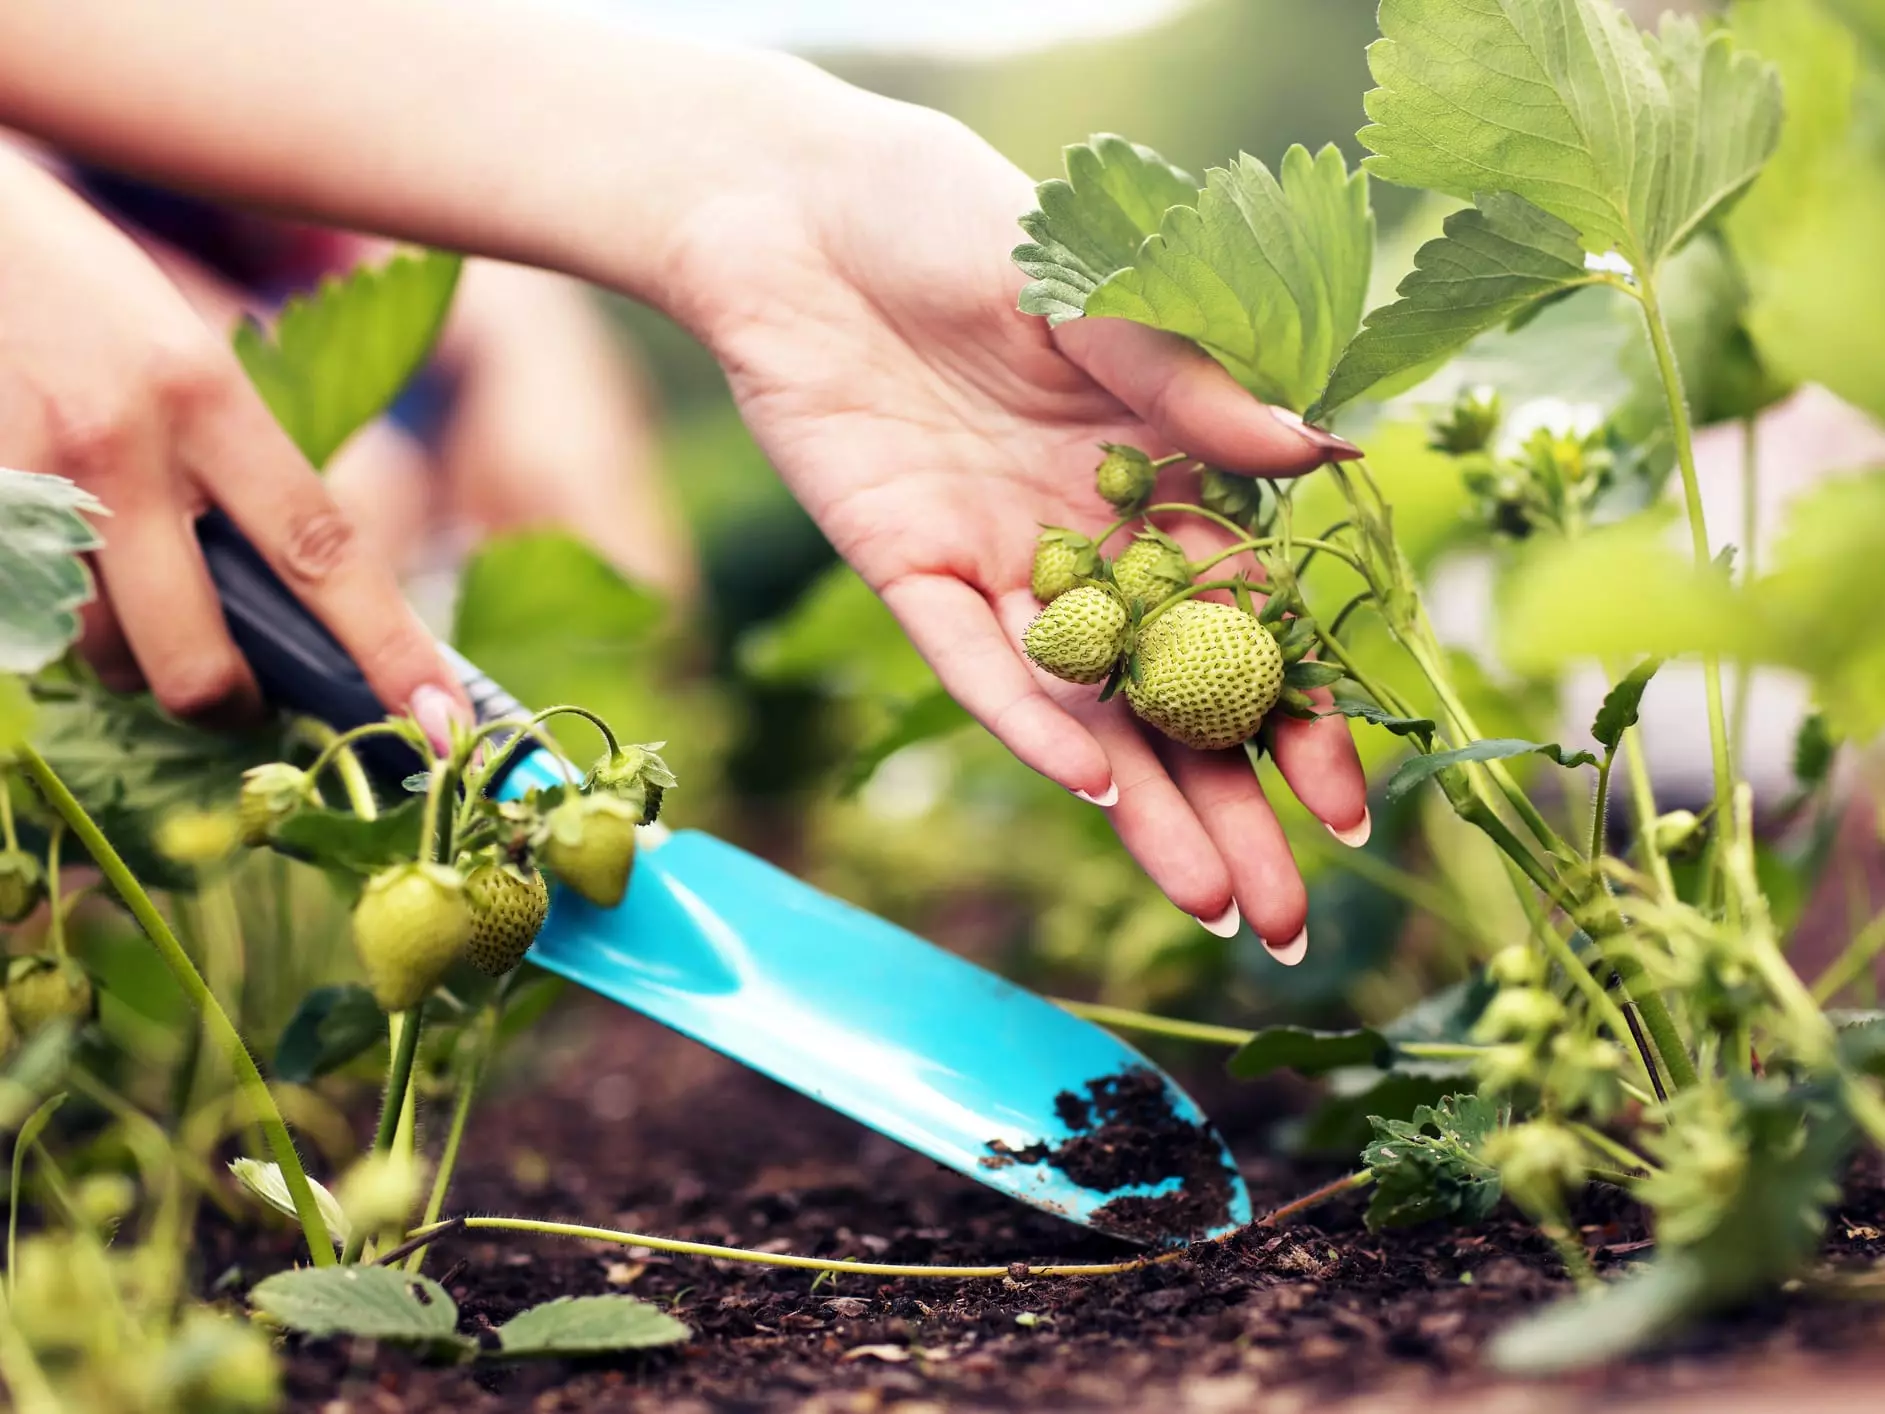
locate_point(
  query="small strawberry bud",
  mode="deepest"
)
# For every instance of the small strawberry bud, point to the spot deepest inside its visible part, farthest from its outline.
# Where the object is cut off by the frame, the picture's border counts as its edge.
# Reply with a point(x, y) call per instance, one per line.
point(1206, 674)
point(1062, 558)
point(42, 989)
point(1237, 498)
point(1152, 568)
point(270, 794)
point(22, 883)
point(1080, 635)
point(590, 846)
point(411, 923)
point(637, 776)
point(1124, 477)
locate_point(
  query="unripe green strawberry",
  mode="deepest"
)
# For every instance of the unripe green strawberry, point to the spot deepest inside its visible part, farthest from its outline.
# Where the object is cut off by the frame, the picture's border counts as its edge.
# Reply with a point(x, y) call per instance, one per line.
point(42, 989)
point(637, 775)
point(22, 883)
point(1080, 635)
point(1124, 477)
point(412, 922)
point(270, 794)
point(1152, 568)
point(507, 909)
point(1062, 558)
point(1205, 674)
point(8, 1032)
point(590, 846)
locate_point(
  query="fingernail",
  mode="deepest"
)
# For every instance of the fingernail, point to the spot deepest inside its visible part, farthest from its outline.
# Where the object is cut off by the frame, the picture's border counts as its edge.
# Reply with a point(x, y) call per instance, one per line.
point(1355, 836)
point(1106, 799)
point(435, 709)
point(1226, 924)
point(1331, 447)
point(1292, 952)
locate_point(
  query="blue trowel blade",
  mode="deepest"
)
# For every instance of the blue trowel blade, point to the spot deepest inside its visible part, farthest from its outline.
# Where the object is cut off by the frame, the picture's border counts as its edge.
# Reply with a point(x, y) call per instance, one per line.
point(869, 1019)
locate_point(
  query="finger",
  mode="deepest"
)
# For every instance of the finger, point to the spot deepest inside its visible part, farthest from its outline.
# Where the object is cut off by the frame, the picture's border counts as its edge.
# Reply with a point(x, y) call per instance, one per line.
point(1151, 817)
point(245, 463)
point(166, 606)
point(1193, 402)
point(1230, 802)
point(382, 483)
point(1320, 762)
point(954, 629)
point(102, 644)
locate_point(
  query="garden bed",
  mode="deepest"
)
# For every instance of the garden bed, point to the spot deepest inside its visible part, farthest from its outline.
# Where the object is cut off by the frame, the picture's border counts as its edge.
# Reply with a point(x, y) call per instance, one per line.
point(630, 1125)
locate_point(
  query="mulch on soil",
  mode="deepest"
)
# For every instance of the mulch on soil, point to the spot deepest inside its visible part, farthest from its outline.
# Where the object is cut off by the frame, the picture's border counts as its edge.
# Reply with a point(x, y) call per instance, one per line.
point(628, 1125)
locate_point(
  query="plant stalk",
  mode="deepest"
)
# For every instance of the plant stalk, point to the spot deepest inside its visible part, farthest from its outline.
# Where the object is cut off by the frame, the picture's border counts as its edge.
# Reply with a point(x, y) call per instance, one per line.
point(398, 1077)
point(249, 1080)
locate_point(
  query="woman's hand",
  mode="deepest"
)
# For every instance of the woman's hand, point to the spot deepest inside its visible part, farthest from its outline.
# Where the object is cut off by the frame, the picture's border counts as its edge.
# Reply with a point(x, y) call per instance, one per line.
point(873, 344)
point(109, 378)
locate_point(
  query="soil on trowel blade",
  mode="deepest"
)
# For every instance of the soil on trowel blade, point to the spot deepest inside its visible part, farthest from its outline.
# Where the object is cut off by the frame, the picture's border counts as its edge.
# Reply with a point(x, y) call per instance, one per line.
point(1127, 1135)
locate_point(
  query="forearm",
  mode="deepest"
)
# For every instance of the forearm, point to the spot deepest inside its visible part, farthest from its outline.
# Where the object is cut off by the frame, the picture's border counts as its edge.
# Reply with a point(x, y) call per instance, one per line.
point(538, 133)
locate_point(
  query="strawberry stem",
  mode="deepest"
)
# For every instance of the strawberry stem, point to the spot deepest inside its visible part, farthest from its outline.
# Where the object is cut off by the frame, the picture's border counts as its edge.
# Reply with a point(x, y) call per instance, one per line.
point(405, 1027)
point(249, 1080)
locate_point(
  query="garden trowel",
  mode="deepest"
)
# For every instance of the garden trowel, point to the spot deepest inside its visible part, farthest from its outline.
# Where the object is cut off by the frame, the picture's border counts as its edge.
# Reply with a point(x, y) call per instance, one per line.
point(919, 1044)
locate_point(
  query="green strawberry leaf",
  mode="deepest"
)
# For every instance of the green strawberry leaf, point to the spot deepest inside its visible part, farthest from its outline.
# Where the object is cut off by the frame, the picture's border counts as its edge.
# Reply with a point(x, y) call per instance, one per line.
point(1416, 769)
point(589, 1325)
point(1632, 139)
point(932, 715)
point(1493, 265)
point(1421, 728)
point(1269, 276)
point(339, 839)
point(1618, 713)
point(1093, 223)
point(339, 356)
point(1308, 1052)
point(43, 582)
point(330, 1027)
point(376, 1303)
point(1428, 1168)
point(1307, 673)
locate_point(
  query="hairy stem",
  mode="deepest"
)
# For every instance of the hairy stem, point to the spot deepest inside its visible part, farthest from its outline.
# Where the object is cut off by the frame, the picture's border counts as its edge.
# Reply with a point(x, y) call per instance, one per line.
point(249, 1080)
point(1855, 960)
point(1124, 1019)
point(398, 1077)
point(470, 1074)
point(1346, 1184)
point(1678, 408)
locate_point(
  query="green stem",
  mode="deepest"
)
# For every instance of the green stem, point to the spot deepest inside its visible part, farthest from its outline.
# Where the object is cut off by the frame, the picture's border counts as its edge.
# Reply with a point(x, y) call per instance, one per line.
point(1440, 1050)
point(1335, 627)
point(1678, 408)
point(55, 914)
point(1655, 1013)
point(1267, 542)
point(1347, 1184)
point(1643, 799)
point(1123, 1019)
point(434, 841)
point(31, 1391)
point(8, 835)
point(1750, 523)
point(1186, 508)
point(405, 1042)
point(1600, 805)
point(336, 744)
point(248, 1079)
point(1603, 1143)
point(786, 1259)
point(1853, 962)
point(471, 1074)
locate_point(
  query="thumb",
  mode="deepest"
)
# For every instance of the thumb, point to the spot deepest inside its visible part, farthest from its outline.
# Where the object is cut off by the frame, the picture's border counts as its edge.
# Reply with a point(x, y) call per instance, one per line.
point(1189, 398)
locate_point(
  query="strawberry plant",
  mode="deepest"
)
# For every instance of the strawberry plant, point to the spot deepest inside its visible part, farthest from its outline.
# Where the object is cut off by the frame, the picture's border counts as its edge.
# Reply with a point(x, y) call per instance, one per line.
point(1642, 1027)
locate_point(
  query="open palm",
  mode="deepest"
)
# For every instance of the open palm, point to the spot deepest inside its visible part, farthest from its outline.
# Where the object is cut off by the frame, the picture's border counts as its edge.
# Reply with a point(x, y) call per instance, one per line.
point(931, 429)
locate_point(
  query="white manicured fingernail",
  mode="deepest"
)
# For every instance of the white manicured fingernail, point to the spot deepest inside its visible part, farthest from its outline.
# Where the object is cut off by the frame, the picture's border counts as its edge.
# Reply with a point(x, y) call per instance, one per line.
point(1355, 836)
point(1331, 447)
point(1226, 924)
point(1292, 952)
point(1106, 799)
point(435, 709)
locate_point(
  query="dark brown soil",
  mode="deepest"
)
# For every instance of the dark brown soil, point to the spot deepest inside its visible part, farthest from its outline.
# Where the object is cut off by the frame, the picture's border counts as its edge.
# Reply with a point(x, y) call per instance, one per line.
point(627, 1125)
point(1126, 1135)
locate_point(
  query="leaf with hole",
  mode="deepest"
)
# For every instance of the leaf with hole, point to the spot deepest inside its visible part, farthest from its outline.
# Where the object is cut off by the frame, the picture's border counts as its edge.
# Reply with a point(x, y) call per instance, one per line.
point(338, 357)
point(1421, 768)
point(1267, 273)
point(43, 582)
point(1092, 223)
point(589, 1325)
point(1428, 1168)
point(375, 1303)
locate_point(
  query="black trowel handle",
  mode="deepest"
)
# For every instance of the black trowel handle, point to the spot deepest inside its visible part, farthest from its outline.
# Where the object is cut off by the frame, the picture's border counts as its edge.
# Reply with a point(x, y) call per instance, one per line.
point(301, 667)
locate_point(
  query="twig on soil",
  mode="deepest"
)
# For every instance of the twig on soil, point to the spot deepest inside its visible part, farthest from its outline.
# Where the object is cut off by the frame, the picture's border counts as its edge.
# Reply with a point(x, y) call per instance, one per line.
point(1321, 1195)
